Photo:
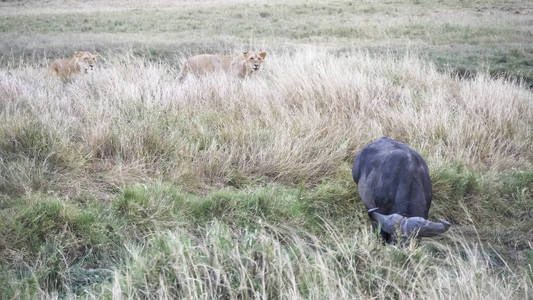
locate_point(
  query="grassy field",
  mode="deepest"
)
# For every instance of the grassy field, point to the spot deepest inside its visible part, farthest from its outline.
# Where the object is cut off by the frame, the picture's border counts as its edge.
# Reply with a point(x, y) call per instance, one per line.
point(125, 183)
point(465, 36)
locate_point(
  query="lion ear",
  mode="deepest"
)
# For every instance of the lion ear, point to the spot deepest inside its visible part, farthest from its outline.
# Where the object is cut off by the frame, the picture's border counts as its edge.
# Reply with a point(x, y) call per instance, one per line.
point(245, 54)
point(78, 53)
point(263, 54)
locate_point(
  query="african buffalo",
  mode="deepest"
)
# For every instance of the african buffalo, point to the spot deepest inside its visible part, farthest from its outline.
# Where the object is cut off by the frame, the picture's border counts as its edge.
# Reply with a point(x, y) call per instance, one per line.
point(394, 184)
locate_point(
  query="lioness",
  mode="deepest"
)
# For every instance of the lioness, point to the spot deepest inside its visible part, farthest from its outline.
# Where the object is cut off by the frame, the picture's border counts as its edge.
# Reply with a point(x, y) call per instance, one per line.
point(83, 61)
point(241, 66)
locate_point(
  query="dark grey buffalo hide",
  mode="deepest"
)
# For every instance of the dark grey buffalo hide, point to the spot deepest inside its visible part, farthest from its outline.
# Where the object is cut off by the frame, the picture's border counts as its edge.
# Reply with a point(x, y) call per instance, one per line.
point(394, 184)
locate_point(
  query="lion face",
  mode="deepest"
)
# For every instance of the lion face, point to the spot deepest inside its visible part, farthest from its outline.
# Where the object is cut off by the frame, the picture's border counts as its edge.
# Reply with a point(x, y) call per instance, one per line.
point(254, 60)
point(86, 60)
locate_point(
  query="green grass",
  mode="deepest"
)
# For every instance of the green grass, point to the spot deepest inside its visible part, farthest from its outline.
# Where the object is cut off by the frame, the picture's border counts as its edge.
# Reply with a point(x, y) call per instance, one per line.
point(67, 246)
point(75, 246)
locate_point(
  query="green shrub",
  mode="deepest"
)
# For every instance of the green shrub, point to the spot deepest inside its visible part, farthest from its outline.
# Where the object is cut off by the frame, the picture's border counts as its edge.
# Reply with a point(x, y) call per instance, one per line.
point(67, 248)
point(455, 189)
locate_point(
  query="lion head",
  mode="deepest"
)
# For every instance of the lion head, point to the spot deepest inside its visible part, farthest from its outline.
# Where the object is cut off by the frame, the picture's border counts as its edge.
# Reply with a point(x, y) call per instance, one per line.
point(254, 60)
point(86, 60)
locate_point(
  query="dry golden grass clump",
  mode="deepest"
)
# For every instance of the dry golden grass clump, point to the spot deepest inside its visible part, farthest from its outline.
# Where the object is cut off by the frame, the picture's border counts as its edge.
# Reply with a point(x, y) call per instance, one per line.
point(308, 113)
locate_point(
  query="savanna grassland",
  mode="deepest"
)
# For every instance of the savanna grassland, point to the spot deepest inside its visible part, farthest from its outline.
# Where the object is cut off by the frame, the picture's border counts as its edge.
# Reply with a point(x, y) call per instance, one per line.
point(125, 183)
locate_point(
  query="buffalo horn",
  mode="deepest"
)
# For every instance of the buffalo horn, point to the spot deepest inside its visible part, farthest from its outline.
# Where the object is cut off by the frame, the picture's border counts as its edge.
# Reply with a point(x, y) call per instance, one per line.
point(409, 226)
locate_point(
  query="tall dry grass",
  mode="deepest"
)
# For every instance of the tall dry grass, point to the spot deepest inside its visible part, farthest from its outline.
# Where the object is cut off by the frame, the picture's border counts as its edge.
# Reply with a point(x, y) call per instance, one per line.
point(284, 263)
point(307, 113)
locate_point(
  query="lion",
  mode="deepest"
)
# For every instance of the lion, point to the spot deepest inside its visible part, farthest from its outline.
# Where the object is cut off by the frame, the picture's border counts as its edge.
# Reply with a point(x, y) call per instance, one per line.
point(83, 61)
point(241, 66)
